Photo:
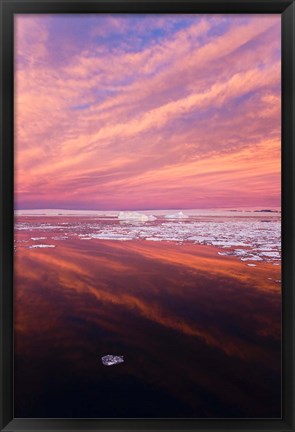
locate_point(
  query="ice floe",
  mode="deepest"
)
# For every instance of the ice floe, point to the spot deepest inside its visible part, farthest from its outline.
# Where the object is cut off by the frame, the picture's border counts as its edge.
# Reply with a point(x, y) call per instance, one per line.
point(41, 246)
point(110, 360)
point(60, 238)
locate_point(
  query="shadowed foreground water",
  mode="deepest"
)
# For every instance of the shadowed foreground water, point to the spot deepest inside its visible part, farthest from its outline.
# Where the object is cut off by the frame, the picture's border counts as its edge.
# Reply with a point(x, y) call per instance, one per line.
point(199, 332)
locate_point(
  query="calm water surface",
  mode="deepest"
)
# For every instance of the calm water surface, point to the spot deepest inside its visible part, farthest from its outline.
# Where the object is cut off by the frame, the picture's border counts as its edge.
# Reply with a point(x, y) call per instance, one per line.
point(199, 331)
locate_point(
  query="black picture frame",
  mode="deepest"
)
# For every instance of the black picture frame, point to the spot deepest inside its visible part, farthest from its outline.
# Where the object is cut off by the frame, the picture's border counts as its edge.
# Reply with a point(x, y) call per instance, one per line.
point(7, 10)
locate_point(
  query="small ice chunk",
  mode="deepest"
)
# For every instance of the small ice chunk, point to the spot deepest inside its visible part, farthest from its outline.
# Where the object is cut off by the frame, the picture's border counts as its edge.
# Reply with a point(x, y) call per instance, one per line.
point(110, 236)
point(252, 258)
point(251, 265)
point(41, 246)
point(271, 254)
point(198, 238)
point(60, 238)
point(110, 360)
point(38, 238)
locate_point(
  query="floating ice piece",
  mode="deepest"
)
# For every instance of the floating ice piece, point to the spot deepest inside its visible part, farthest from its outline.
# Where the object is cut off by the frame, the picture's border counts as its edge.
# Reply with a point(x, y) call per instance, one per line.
point(60, 238)
point(271, 254)
point(240, 252)
point(133, 216)
point(110, 236)
point(110, 360)
point(38, 238)
point(179, 215)
point(41, 246)
point(252, 258)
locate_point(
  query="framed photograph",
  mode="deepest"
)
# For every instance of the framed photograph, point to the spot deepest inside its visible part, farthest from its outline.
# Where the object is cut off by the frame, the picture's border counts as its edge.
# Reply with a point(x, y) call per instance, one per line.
point(147, 208)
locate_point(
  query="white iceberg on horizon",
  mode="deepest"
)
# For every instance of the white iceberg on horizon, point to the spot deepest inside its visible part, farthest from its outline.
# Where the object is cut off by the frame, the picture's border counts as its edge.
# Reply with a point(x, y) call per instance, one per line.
point(179, 215)
point(135, 216)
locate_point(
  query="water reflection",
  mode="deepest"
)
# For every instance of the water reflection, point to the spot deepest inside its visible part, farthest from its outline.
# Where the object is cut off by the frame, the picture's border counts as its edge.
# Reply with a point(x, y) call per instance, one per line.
point(200, 333)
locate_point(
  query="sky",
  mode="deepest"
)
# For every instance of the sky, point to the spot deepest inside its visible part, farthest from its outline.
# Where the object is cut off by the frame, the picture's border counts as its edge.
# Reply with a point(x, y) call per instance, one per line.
point(134, 112)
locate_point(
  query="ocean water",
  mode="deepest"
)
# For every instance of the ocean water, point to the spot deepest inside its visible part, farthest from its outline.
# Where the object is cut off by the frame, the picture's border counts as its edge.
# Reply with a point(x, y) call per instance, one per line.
point(188, 302)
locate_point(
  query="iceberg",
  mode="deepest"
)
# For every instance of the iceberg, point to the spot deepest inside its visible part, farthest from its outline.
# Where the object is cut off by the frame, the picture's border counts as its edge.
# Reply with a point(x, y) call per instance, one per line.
point(110, 360)
point(133, 216)
point(179, 215)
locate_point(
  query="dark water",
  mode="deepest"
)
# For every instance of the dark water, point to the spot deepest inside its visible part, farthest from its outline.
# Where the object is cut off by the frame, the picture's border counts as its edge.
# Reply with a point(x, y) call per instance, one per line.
point(199, 332)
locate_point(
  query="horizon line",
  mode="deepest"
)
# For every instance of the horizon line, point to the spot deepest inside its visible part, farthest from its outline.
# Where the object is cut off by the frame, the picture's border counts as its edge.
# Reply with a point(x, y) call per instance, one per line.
point(155, 209)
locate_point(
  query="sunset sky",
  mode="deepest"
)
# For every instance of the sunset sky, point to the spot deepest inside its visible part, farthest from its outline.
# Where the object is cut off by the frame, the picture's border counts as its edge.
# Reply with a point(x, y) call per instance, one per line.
point(117, 112)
